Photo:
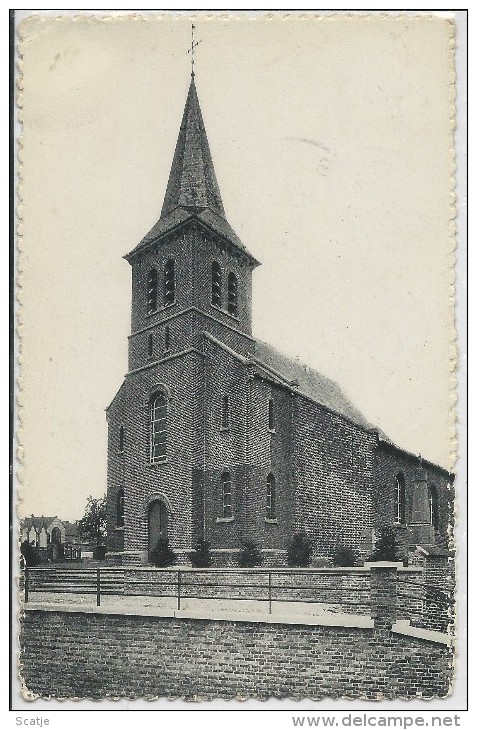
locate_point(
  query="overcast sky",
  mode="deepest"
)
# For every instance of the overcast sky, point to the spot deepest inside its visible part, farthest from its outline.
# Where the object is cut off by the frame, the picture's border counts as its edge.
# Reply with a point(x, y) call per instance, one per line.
point(330, 139)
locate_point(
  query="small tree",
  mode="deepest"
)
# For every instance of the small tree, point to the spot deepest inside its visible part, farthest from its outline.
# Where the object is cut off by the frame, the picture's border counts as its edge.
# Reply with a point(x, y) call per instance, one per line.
point(201, 556)
point(163, 555)
point(250, 555)
point(386, 547)
point(300, 551)
point(29, 554)
point(344, 557)
point(92, 526)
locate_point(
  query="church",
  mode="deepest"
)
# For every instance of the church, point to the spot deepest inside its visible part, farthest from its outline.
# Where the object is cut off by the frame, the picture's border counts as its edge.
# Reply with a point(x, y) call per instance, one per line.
point(216, 435)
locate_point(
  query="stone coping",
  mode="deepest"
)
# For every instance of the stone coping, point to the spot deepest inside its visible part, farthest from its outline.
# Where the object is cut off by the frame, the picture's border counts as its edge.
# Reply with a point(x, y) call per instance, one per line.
point(404, 627)
point(187, 568)
point(277, 617)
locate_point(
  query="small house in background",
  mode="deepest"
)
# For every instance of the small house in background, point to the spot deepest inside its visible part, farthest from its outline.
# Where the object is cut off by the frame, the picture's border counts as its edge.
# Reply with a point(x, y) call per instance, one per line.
point(53, 538)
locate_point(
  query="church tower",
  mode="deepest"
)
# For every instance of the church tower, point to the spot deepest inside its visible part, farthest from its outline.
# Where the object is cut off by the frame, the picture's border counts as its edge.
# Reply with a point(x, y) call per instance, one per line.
point(191, 285)
point(191, 273)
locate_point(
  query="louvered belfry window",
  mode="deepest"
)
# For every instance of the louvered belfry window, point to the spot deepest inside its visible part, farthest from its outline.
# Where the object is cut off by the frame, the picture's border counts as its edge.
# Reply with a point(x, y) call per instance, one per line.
point(158, 428)
point(152, 291)
point(169, 282)
point(232, 303)
point(216, 285)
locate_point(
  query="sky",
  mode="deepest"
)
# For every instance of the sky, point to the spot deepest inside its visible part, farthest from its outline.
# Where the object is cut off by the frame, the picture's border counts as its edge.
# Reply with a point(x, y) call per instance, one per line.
point(331, 143)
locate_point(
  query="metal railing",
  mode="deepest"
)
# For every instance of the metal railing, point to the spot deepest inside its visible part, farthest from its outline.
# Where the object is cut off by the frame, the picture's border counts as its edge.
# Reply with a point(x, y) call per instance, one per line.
point(267, 586)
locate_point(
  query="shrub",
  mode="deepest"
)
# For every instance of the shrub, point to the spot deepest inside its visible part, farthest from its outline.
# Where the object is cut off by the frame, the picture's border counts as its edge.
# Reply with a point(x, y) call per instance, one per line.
point(300, 551)
point(250, 555)
point(386, 547)
point(344, 557)
point(201, 556)
point(163, 555)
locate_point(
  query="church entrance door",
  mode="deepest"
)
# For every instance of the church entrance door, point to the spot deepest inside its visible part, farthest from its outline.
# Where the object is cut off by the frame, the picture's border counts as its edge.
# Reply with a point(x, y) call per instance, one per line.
point(157, 524)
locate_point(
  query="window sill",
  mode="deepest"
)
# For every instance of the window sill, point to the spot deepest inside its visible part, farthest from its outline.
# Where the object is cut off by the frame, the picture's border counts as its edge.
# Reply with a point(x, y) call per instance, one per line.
point(160, 309)
point(401, 525)
point(152, 464)
point(119, 529)
point(225, 519)
point(224, 311)
point(271, 520)
point(225, 429)
point(120, 452)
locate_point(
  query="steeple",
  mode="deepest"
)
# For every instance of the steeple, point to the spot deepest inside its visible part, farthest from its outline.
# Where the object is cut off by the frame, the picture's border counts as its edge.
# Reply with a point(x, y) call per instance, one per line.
point(192, 190)
point(192, 182)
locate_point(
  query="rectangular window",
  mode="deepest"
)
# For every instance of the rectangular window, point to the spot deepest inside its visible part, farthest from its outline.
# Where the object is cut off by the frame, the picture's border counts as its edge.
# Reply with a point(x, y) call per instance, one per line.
point(226, 495)
point(271, 498)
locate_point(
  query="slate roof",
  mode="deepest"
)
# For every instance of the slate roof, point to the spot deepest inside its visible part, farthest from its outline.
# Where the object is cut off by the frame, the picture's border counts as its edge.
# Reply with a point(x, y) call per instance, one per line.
point(192, 190)
point(310, 383)
point(38, 522)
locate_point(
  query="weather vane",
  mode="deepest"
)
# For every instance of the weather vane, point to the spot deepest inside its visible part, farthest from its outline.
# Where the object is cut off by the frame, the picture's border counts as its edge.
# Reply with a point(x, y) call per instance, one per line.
point(194, 44)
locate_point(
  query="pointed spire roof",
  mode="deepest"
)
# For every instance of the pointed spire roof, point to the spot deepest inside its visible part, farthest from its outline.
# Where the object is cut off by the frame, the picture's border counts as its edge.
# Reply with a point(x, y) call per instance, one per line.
point(192, 189)
point(192, 181)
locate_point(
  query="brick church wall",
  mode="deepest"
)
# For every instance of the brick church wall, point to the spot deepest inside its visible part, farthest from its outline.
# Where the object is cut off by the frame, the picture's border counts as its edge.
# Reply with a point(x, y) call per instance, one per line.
point(182, 378)
point(225, 450)
point(270, 453)
point(332, 464)
point(389, 462)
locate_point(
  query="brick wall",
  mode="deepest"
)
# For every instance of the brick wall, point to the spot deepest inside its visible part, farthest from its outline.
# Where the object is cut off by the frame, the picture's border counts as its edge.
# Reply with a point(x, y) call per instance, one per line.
point(389, 462)
point(332, 466)
point(92, 655)
point(182, 378)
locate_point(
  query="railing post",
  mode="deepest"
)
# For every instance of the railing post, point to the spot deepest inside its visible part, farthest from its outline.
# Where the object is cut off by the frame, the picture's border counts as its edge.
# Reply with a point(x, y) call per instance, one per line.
point(98, 587)
point(26, 583)
point(178, 590)
point(270, 591)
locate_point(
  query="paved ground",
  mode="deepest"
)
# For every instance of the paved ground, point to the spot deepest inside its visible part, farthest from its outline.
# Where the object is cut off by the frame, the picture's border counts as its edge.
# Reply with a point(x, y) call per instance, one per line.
point(189, 604)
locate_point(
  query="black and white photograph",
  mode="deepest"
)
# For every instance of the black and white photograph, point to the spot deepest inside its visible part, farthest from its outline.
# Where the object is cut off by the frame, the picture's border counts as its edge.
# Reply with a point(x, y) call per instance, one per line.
point(237, 437)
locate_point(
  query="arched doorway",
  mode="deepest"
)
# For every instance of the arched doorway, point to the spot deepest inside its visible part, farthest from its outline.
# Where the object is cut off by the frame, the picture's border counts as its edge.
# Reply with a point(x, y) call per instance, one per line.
point(157, 524)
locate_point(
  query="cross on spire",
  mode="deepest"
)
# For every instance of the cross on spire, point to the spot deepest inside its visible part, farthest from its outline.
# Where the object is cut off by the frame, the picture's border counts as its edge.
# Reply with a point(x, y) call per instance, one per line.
point(193, 45)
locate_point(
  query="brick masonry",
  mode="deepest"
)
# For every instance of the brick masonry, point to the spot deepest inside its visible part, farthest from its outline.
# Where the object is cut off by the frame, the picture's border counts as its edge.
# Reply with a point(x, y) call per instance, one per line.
point(96, 656)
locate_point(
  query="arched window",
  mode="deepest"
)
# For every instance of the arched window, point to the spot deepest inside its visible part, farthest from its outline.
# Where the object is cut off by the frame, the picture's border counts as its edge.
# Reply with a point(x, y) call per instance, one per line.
point(158, 426)
point(400, 499)
point(434, 507)
point(271, 415)
point(150, 346)
point(226, 495)
point(152, 291)
point(167, 339)
point(169, 282)
point(271, 498)
point(120, 509)
point(216, 284)
point(56, 536)
point(225, 412)
point(232, 298)
point(121, 438)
